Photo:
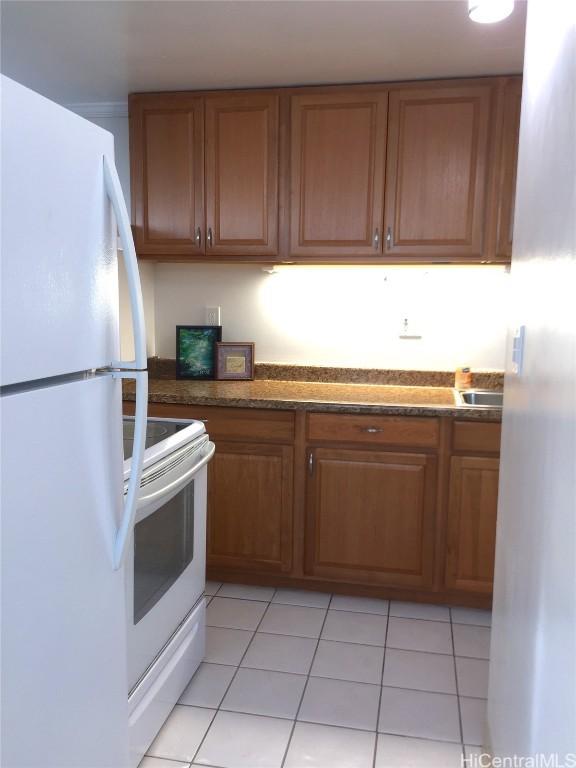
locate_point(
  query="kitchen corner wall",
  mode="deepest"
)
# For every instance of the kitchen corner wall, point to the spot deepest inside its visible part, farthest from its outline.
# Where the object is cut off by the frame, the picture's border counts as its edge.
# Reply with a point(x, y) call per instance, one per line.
point(341, 316)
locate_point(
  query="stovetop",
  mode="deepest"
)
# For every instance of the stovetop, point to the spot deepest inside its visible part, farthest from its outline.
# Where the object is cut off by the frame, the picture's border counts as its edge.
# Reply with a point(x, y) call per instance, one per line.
point(156, 431)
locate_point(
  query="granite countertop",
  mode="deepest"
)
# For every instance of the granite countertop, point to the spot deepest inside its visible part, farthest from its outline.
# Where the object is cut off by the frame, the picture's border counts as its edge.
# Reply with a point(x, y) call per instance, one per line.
point(316, 396)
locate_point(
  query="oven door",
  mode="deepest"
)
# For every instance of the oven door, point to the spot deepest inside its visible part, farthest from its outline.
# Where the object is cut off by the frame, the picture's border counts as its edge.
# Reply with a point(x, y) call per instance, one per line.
point(167, 557)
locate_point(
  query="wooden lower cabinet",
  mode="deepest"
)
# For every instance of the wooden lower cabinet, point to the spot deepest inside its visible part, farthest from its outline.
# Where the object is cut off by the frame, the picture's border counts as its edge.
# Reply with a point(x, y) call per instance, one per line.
point(250, 503)
point(370, 517)
point(471, 528)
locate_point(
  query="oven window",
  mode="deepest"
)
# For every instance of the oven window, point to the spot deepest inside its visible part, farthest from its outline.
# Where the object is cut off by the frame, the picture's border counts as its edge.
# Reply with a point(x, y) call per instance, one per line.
point(163, 548)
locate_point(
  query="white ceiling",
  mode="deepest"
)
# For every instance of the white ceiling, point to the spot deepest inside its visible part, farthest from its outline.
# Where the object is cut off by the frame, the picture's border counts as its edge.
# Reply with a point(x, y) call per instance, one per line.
point(86, 51)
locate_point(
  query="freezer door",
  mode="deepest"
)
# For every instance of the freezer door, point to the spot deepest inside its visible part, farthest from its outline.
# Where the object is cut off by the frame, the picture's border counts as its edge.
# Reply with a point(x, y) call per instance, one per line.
point(64, 657)
point(59, 268)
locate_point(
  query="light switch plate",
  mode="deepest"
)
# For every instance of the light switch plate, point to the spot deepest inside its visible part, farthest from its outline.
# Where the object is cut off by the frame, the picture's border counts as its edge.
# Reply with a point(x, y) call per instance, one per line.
point(518, 349)
point(212, 316)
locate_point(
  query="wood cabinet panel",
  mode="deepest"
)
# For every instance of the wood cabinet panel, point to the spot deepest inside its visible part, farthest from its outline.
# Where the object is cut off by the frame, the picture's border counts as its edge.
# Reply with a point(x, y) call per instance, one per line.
point(242, 174)
point(167, 165)
point(376, 430)
point(476, 436)
point(337, 173)
point(437, 165)
point(229, 423)
point(250, 507)
point(471, 534)
point(371, 517)
point(508, 165)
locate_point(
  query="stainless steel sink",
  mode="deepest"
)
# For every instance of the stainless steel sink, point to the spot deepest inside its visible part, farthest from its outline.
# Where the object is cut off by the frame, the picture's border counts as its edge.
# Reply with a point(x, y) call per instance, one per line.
point(484, 398)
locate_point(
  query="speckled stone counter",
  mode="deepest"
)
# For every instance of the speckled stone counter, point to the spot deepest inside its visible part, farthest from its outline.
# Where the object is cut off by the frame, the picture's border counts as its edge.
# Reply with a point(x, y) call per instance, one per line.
point(315, 396)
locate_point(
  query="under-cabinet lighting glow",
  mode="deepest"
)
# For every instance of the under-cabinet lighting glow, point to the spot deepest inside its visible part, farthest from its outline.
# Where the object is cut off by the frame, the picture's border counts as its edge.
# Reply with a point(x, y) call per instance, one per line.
point(489, 11)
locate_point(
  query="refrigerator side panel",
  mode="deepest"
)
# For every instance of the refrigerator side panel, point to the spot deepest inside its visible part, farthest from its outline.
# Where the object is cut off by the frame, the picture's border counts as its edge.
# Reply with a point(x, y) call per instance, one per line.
point(59, 271)
point(64, 655)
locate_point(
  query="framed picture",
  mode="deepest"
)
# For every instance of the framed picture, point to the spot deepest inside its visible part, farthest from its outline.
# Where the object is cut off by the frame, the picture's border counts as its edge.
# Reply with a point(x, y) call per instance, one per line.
point(234, 360)
point(196, 351)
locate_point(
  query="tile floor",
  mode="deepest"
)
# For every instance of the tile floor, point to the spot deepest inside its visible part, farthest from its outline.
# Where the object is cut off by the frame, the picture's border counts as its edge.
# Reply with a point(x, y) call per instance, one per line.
point(296, 679)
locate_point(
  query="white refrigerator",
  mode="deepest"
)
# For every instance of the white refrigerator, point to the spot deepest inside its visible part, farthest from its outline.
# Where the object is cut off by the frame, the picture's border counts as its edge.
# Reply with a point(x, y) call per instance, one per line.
point(65, 520)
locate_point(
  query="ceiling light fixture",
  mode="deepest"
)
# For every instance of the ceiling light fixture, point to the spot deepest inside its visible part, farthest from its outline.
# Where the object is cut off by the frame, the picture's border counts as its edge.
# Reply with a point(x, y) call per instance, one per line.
point(489, 11)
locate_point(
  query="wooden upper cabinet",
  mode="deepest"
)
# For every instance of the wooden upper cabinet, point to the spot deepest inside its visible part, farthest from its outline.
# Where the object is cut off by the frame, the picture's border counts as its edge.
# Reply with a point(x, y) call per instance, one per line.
point(508, 165)
point(167, 166)
point(242, 174)
point(337, 173)
point(370, 517)
point(437, 171)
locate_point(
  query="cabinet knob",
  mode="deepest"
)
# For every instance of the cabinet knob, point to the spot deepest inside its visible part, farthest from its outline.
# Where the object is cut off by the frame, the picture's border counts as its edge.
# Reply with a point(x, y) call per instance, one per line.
point(310, 463)
point(389, 237)
point(198, 237)
point(376, 239)
point(209, 237)
point(372, 430)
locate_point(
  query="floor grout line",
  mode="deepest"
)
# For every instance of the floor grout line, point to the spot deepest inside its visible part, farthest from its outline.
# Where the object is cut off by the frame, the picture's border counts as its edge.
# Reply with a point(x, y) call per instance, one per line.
point(381, 687)
point(305, 685)
point(230, 683)
point(457, 690)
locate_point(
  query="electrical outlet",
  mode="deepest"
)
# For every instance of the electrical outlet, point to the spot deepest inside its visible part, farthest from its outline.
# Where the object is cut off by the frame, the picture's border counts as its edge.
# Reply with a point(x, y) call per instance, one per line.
point(409, 329)
point(212, 316)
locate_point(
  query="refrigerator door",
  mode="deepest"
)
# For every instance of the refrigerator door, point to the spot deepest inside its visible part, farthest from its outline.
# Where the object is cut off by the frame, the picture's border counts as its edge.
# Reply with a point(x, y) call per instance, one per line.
point(64, 655)
point(59, 277)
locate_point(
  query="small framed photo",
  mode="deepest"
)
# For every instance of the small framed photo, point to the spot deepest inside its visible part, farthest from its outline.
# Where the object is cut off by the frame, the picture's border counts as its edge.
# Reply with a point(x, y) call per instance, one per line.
point(196, 351)
point(234, 360)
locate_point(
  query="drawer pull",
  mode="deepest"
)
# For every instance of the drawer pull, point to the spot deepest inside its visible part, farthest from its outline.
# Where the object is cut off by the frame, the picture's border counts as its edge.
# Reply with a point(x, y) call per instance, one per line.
point(371, 430)
point(310, 463)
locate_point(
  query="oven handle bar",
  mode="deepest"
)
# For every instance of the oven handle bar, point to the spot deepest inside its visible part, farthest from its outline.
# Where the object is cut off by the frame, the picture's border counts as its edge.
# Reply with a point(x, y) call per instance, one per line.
point(179, 482)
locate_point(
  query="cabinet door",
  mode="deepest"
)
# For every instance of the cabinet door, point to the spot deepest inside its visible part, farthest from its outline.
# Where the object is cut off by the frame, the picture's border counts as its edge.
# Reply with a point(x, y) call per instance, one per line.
point(436, 175)
point(370, 517)
point(242, 175)
point(337, 174)
point(472, 523)
point(508, 165)
point(167, 157)
point(250, 507)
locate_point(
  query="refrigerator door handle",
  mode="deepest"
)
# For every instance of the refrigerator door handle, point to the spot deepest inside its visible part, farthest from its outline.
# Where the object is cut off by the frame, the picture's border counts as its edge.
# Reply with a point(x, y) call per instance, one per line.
point(133, 491)
point(114, 192)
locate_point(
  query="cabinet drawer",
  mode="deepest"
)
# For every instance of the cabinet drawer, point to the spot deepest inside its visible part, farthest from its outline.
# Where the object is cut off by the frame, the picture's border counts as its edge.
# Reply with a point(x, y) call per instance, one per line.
point(230, 423)
point(476, 436)
point(376, 430)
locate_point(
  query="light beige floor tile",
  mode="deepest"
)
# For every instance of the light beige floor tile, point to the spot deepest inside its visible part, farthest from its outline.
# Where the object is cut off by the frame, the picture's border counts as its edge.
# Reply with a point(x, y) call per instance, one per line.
point(261, 692)
point(359, 604)
point(471, 641)
point(323, 746)
point(208, 686)
point(226, 646)
point(471, 616)
point(419, 611)
point(282, 653)
point(420, 714)
point(245, 741)
point(234, 614)
point(212, 587)
point(419, 635)
point(246, 592)
point(403, 752)
point(350, 627)
point(181, 734)
point(419, 671)
point(472, 677)
point(339, 702)
point(292, 620)
point(302, 597)
point(473, 720)
point(348, 661)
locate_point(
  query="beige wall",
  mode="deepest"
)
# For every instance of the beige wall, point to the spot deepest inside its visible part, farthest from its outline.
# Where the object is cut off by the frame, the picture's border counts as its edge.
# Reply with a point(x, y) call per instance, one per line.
point(532, 693)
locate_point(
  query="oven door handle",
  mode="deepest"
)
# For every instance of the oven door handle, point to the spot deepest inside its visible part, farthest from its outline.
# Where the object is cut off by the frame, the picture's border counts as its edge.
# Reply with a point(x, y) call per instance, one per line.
point(179, 483)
